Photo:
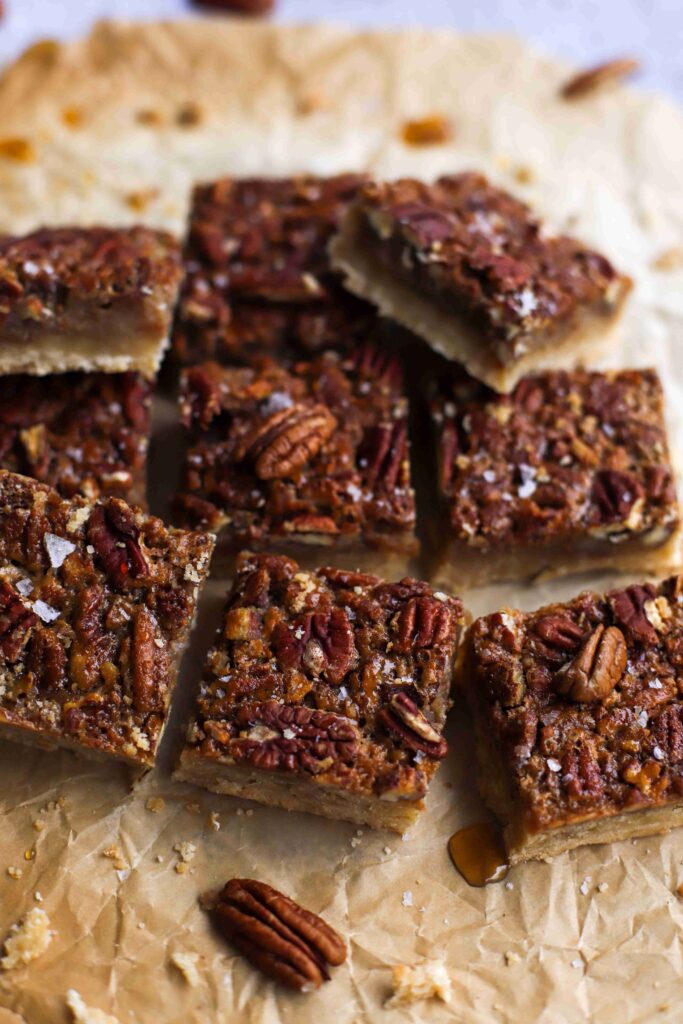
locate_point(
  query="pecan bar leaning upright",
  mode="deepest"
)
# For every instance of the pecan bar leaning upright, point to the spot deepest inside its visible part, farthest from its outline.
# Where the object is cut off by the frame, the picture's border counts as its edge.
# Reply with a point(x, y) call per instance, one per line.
point(258, 274)
point(468, 267)
point(96, 605)
point(310, 459)
point(87, 299)
point(579, 717)
point(326, 692)
point(83, 433)
point(570, 472)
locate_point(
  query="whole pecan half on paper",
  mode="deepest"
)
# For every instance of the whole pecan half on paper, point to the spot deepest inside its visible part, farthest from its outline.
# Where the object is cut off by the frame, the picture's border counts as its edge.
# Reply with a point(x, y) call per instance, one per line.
point(596, 669)
point(291, 945)
point(404, 719)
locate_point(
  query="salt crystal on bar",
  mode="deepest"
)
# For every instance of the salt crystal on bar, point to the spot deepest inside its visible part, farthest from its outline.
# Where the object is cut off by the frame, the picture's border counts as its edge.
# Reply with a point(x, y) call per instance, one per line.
point(45, 611)
point(58, 549)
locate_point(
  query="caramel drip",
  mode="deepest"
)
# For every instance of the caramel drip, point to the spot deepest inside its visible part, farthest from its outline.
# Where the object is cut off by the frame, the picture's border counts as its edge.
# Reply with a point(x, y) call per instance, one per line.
point(478, 853)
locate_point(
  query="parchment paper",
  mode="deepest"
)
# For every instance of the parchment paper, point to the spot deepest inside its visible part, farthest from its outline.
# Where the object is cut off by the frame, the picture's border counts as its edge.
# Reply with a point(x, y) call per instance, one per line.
point(271, 100)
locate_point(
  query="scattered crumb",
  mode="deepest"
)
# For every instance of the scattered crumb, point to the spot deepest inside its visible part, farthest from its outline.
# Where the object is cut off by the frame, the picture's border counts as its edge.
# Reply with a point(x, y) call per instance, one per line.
point(387, 850)
point(193, 808)
point(239, 812)
point(15, 873)
point(585, 885)
point(509, 885)
point(249, 812)
point(511, 957)
point(38, 897)
point(603, 887)
point(156, 804)
point(27, 940)
point(186, 852)
point(355, 841)
point(39, 825)
point(187, 965)
point(407, 898)
point(214, 821)
point(160, 859)
point(30, 854)
point(83, 1014)
point(141, 925)
point(670, 259)
point(115, 854)
point(428, 980)
point(576, 963)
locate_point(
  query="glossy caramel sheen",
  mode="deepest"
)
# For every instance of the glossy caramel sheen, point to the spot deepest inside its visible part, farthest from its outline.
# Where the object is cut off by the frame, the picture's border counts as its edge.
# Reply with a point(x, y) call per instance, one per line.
point(478, 853)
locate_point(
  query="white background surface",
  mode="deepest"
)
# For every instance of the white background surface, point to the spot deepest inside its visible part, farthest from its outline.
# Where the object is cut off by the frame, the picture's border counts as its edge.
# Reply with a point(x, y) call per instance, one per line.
point(581, 30)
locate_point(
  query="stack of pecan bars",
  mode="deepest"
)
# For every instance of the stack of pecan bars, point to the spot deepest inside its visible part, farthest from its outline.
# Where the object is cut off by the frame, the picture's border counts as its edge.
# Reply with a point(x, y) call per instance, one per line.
point(97, 598)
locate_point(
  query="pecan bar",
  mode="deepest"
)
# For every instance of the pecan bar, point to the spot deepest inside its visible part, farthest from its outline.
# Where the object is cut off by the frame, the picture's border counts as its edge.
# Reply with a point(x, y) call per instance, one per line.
point(310, 456)
point(258, 275)
point(96, 604)
point(86, 299)
point(468, 267)
point(326, 691)
point(570, 472)
point(83, 433)
point(579, 717)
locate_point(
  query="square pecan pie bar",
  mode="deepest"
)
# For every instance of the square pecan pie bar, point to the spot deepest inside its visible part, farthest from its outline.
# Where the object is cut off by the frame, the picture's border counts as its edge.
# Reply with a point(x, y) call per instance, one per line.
point(570, 472)
point(96, 605)
point(299, 458)
point(327, 692)
point(87, 299)
point(579, 717)
point(469, 268)
point(258, 275)
point(83, 433)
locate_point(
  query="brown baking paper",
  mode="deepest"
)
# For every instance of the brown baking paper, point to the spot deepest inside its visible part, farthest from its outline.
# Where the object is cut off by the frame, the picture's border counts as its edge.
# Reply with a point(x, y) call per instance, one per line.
point(596, 934)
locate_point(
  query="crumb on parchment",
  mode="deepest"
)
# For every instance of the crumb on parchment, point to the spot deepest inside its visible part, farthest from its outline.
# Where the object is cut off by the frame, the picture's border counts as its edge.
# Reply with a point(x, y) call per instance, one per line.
point(187, 965)
point(411, 984)
point(27, 940)
point(82, 1014)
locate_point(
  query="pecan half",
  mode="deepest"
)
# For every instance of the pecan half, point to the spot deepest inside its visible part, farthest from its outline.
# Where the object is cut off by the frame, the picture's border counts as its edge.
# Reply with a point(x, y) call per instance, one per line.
point(596, 669)
point(383, 453)
point(615, 493)
point(404, 719)
point(587, 82)
point(16, 623)
point(628, 607)
point(286, 942)
point(277, 736)
point(423, 622)
point(287, 440)
point(559, 631)
point(321, 642)
point(114, 534)
point(145, 657)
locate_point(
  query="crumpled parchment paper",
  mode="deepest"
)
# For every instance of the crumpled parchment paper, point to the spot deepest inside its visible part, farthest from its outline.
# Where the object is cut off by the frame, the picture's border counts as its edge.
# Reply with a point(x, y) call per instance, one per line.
point(595, 935)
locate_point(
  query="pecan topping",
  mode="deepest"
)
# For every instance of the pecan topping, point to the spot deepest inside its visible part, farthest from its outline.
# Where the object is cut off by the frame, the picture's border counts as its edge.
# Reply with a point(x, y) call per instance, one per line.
point(404, 719)
point(286, 942)
point(559, 631)
point(615, 493)
point(423, 622)
point(274, 735)
point(629, 610)
point(322, 642)
point(587, 82)
point(146, 695)
point(287, 440)
point(16, 623)
point(113, 533)
point(597, 668)
point(238, 6)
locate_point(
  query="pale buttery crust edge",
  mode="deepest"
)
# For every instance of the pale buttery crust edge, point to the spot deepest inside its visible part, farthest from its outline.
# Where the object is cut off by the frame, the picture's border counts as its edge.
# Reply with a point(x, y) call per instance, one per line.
point(460, 566)
point(593, 333)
